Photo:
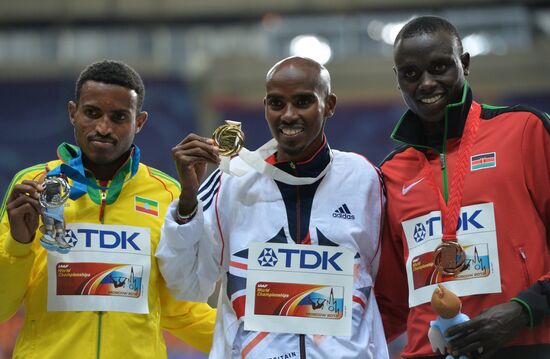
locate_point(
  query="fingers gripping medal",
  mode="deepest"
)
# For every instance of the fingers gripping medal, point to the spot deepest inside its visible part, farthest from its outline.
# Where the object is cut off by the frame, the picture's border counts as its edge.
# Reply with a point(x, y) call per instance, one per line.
point(52, 199)
point(229, 138)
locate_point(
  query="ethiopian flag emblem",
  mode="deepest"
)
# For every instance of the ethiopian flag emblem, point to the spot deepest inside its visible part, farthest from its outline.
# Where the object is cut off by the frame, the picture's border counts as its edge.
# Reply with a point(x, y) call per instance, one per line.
point(146, 205)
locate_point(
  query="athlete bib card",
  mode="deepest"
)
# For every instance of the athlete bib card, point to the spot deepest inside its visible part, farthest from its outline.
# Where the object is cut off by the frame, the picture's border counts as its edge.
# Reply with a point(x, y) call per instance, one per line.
point(99, 279)
point(106, 270)
point(299, 289)
point(476, 233)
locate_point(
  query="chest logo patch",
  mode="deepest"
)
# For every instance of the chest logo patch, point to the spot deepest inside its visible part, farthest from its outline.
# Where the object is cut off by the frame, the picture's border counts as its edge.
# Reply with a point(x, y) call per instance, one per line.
point(343, 212)
point(146, 205)
point(482, 161)
point(406, 189)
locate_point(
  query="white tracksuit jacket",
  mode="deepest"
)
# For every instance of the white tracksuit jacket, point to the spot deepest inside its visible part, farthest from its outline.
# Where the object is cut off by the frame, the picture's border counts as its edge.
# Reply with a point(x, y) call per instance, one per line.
point(344, 208)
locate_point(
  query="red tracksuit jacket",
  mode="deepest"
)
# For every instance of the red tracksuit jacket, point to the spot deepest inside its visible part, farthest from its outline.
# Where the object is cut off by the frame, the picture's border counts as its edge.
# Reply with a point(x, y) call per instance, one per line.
point(516, 142)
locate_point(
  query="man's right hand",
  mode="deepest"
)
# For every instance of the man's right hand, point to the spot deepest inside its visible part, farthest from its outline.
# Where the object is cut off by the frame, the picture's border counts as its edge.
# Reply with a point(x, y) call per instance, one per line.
point(24, 210)
point(191, 157)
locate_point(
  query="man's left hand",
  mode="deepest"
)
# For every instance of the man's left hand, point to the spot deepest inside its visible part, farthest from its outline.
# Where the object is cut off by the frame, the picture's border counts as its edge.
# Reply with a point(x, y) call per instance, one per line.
point(489, 331)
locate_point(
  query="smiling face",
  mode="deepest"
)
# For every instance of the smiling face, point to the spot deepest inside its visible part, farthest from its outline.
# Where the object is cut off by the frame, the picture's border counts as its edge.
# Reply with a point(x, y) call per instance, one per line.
point(105, 122)
point(297, 104)
point(430, 72)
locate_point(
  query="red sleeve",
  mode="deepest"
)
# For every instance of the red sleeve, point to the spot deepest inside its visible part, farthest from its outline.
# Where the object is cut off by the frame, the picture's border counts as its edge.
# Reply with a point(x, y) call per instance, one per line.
point(391, 287)
point(536, 164)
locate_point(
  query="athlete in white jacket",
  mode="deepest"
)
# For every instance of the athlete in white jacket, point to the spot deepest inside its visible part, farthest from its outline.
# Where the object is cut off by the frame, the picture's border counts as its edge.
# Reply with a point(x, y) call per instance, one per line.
point(306, 291)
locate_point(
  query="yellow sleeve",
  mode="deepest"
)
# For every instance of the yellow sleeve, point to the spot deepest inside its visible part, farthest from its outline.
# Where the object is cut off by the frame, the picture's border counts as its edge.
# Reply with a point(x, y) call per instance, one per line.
point(16, 259)
point(191, 322)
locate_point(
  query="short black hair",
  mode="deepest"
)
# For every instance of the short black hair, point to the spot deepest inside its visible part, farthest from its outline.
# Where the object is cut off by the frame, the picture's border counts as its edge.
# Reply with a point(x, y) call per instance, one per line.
point(428, 25)
point(114, 73)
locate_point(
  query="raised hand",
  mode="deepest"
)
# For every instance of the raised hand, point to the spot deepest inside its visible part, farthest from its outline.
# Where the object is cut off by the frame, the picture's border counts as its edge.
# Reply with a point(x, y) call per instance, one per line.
point(24, 210)
point(191, 157)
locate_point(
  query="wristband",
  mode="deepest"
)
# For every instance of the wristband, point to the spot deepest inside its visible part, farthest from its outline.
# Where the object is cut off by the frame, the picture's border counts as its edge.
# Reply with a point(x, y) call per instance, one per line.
point(526, 308)
point(185, 218)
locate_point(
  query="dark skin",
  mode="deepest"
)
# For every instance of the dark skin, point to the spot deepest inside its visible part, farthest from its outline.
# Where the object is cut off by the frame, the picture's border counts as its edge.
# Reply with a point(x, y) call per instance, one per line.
point(105, 121)
point(297, 104)
point(431, 70)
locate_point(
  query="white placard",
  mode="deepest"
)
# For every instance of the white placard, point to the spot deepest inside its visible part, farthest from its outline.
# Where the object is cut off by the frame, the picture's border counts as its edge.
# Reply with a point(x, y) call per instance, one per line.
point(302, 289)
point(107, 269)
point(476, 234)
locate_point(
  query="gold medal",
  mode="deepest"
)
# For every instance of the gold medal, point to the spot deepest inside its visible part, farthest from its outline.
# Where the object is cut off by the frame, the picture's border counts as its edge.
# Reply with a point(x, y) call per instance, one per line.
point(449, 258)
point(229, 138)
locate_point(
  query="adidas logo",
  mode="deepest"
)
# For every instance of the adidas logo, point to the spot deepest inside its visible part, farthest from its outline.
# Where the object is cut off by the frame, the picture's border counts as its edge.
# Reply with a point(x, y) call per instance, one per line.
point(343, 212)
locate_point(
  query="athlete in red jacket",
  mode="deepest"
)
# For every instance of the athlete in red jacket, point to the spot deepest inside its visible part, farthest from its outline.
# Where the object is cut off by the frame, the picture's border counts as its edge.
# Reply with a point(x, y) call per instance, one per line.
point(468, 204)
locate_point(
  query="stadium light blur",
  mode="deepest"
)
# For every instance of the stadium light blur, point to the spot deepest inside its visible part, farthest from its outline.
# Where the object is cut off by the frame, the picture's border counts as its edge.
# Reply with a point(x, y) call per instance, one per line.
point(311, 46)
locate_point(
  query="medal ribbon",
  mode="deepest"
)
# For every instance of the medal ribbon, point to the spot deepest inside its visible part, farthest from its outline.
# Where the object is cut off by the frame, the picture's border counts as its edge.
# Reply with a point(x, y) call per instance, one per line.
point(75, 171)
point(255, 161)
point(450, 211)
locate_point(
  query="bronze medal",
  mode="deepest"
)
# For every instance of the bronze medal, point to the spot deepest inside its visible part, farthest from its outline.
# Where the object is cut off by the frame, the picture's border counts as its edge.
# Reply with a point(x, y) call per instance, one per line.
point(449, 258)
point(229, 138)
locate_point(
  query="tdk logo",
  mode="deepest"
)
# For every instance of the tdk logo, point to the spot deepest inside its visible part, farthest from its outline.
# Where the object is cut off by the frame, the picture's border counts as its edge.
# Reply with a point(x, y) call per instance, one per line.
point(466, 221)
point(304, 258)
point(419, 232)
point(70, 237)
point(343, 212)
point(268, 258)
point(109, 239)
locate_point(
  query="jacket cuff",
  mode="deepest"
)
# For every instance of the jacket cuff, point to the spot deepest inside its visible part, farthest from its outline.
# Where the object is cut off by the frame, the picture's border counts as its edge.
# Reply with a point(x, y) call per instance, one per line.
point(16, 249)
point(535, 301)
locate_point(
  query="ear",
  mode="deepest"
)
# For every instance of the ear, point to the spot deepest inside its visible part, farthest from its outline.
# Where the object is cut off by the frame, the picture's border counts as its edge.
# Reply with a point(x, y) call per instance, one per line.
point(465, 59)
point(330, 105)
point(71, 109)
point(140, 120)
point(395, 73)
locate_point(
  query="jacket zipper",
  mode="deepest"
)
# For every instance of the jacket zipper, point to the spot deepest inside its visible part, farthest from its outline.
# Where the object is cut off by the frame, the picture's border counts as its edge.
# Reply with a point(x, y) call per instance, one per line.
point(102, 206)
point(100, 314)
point(524, 265)
point(99, 320)
point(299, 240)
point(298, 202)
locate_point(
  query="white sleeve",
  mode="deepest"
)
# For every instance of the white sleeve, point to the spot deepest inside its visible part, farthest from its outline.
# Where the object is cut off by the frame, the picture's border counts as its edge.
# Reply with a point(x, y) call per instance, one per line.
point(189, 256)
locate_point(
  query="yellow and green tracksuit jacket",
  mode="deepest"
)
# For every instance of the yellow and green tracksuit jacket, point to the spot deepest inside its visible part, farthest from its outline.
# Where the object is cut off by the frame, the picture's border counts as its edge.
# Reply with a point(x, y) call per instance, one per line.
point(140, 203)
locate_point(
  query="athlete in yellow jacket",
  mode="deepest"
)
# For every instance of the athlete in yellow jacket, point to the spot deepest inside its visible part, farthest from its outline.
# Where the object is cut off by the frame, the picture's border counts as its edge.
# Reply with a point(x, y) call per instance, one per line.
point(105, 298)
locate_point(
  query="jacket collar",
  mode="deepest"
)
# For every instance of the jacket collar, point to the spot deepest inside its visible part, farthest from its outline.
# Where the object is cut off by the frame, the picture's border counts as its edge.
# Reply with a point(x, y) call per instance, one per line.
point(409, 129)
point(72, 155)
point(311, 167)
point(85, 182)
